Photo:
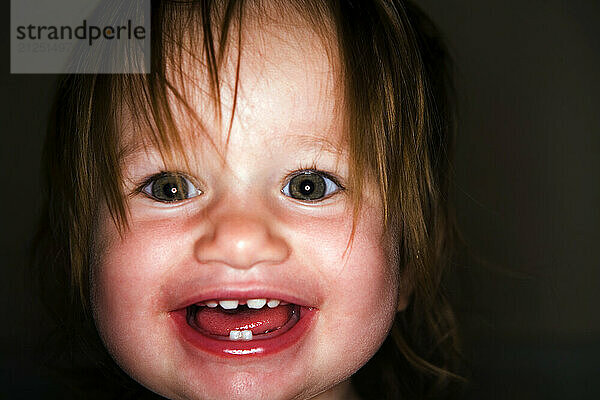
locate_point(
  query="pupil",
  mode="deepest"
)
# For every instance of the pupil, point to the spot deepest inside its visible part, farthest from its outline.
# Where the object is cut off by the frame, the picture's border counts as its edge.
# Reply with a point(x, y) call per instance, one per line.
point(170, 190)
point(306, 187)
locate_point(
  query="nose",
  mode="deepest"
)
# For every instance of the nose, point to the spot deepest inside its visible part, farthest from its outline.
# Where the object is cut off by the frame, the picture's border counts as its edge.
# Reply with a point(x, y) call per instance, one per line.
point(240, 241)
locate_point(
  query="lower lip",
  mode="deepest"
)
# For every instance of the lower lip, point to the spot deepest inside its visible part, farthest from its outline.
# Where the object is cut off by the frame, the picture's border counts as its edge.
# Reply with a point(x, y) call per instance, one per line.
point(250, 348)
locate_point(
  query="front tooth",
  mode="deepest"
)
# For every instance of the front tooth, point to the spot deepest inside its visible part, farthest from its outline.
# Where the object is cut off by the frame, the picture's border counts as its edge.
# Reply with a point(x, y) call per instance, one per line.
point(211, 303)
point(246, 334)
point(256, 303)
point(273, 303)
point(229, 304)
point(235, 335)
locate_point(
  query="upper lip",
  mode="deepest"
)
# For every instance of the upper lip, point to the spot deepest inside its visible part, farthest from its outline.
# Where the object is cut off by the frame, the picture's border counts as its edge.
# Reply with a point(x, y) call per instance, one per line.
point(246, 291)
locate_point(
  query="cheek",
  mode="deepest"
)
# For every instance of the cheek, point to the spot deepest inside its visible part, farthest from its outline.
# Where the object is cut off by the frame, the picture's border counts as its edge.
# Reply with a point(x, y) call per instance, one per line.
point(352, 259)
point(366, 282)
point(126, 274)
point(124, 265)
point(137, 258)
point(360, 282)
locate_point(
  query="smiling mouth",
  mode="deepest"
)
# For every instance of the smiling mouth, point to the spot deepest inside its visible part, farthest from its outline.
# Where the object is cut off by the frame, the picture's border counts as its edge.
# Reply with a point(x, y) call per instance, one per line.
point(243, 327)
point(242, 320)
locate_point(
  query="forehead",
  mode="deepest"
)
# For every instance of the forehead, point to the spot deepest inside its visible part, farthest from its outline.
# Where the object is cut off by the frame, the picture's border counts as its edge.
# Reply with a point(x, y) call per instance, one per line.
point(282, 83)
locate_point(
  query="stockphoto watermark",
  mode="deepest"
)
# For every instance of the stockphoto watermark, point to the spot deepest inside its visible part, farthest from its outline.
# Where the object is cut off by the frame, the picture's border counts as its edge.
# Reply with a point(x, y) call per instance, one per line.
point(80, 36)
point(90, 33)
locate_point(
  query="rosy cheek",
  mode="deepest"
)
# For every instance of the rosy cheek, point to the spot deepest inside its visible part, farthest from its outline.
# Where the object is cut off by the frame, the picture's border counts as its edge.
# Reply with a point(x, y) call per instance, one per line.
point(127, 265)
point(358, 265)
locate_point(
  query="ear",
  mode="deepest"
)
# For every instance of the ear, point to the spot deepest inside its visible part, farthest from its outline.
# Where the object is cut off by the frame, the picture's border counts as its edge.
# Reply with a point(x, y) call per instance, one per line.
point(405, 291)
point(404, 275)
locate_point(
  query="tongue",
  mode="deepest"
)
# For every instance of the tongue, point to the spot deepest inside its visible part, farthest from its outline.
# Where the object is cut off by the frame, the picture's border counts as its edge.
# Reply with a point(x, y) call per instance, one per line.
point(219, 322)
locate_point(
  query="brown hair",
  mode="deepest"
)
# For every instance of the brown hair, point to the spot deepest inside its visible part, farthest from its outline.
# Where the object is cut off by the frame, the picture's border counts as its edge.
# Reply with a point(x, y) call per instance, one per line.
point(400, 118)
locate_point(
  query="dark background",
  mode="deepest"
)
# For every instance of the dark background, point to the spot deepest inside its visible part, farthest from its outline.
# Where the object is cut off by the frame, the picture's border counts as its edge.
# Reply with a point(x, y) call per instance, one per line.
point(528, 158)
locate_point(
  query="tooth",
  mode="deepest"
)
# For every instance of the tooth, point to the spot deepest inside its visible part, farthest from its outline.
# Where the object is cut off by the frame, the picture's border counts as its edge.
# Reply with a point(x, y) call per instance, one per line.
point(246, 334)
point(235, 335)
point(256, 303)
point(229, 304)
point(211, 303)
point(273, 303)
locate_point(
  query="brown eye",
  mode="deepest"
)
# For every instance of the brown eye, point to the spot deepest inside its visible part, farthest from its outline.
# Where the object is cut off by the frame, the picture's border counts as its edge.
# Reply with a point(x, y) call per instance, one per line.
point(170, 187)
point(310, 186)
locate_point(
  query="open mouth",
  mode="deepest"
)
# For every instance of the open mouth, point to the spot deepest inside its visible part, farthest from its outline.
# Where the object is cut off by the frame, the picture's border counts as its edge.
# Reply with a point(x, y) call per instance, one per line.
point(252, 319)
point(244, 326)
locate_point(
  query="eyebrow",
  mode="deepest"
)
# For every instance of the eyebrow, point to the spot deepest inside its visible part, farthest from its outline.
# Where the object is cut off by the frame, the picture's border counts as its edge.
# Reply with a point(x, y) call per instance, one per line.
point(303, 141)
point(309, 141)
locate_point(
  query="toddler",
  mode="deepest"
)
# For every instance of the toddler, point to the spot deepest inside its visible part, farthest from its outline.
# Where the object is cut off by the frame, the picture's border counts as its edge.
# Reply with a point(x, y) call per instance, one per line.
point(264, 215)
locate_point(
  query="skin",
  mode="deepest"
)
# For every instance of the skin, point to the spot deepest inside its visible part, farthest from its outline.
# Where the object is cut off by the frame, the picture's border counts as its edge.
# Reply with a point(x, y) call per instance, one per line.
point(243, 231)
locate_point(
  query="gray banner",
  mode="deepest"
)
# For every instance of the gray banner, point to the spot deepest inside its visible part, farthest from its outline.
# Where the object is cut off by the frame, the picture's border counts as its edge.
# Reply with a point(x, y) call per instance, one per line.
point(80, 36)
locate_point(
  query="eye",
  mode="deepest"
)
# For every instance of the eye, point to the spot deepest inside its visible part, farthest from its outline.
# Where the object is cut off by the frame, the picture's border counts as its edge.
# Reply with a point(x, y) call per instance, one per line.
point(310, 186)
point(170, 187)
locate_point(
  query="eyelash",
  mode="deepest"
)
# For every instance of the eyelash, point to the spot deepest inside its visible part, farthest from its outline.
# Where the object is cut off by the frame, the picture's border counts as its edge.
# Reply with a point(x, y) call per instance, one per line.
point(290, 173)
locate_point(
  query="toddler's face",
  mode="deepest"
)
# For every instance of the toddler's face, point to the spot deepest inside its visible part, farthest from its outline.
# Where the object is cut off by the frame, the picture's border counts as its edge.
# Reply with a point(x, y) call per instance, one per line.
point(270, 223)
